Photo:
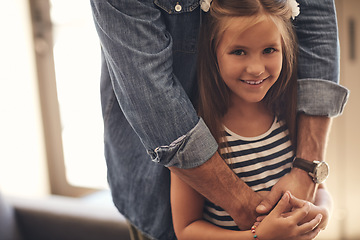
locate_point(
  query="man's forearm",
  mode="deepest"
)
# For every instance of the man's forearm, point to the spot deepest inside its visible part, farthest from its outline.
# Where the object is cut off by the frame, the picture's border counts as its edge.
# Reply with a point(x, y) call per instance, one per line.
point(312, 140)
point(312, 137)
point(217, 182)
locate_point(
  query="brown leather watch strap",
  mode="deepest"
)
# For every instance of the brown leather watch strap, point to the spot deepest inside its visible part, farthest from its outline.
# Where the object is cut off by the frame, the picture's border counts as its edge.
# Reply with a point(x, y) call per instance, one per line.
point(304, 164)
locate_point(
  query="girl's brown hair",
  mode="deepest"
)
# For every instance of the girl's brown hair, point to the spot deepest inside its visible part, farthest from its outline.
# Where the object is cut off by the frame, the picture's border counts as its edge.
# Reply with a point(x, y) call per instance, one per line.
point(214, 94)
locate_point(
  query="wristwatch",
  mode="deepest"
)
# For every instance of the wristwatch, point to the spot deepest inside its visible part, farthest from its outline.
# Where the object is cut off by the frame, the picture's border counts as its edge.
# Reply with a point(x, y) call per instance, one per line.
point(317, 170)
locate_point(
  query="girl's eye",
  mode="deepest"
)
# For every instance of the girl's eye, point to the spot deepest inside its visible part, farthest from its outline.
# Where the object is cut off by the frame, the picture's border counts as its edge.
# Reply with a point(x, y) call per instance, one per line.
point(238, 52)
point(269, 50)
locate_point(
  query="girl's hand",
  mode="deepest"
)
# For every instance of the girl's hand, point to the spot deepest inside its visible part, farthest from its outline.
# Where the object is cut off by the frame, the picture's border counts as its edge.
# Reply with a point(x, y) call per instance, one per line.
point(313, 212)
point(280, 224)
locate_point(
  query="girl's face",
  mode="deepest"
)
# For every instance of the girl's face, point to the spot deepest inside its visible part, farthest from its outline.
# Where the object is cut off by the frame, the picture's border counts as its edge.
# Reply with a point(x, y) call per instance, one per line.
point(250, 62)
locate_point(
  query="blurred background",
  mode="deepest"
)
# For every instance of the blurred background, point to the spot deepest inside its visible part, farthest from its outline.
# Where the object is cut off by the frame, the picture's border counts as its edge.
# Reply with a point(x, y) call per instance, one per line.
point(51, 124)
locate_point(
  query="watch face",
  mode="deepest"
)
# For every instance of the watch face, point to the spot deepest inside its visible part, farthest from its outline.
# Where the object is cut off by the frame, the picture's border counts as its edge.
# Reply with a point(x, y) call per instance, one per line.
point(322, 172)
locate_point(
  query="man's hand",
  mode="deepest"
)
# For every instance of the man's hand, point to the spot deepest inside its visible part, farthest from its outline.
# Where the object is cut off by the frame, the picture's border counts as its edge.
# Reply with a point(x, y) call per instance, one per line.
point(297, 182)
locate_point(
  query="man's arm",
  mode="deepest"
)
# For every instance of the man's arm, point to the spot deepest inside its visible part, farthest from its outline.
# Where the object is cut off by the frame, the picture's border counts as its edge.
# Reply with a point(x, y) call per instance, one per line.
point(312, 141)
point(217, 182)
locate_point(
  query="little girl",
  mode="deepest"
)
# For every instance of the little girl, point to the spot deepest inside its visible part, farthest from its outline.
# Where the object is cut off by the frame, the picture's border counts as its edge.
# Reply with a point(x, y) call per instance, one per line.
point(247, 85)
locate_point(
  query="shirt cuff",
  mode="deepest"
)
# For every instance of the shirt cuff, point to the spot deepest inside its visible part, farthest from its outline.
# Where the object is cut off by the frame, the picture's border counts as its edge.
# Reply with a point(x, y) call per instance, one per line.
point(321, 98)
point(188, 151)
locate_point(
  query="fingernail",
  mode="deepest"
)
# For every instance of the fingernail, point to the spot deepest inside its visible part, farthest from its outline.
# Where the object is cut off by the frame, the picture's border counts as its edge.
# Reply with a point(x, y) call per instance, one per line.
point(285, 196)
point(261, 207)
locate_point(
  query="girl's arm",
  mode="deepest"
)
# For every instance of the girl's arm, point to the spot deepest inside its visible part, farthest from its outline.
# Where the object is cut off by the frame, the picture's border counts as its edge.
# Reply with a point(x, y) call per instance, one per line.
point(323, 201)
point(187, 210)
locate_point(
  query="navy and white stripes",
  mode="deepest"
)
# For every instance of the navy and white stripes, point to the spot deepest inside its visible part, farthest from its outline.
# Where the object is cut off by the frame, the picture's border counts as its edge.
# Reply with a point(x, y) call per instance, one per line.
point(259, 161)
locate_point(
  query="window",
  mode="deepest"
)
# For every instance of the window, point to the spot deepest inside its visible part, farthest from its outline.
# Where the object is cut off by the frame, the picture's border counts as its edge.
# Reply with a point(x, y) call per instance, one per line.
point(67, 54)
point(77, 70)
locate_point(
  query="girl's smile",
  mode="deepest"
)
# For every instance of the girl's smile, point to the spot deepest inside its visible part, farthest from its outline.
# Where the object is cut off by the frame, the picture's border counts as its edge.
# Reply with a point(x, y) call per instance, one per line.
point(254, 82)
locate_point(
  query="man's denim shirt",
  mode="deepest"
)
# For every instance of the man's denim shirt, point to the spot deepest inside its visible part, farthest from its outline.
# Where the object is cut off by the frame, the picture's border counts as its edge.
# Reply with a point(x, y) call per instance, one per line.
point(148, 87)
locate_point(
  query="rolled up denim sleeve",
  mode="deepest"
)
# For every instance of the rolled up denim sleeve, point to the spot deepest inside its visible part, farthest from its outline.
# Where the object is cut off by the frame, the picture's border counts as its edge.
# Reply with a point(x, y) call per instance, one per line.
point(138, 52)
point(319, 91)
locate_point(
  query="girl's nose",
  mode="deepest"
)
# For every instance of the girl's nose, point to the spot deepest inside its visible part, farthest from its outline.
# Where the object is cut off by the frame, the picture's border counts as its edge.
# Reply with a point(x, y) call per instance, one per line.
point(255, 67)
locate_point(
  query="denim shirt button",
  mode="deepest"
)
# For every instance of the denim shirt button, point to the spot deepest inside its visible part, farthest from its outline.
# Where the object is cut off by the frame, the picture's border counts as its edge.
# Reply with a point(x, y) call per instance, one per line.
point(178, 7)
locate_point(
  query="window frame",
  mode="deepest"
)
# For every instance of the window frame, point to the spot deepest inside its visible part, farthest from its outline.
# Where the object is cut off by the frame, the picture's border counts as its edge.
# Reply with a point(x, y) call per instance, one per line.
point(44, 59)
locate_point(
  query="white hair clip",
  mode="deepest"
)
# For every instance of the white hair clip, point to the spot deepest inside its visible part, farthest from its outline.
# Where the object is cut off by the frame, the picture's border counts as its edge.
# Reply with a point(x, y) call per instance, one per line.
point(205, 5)
point(295, 10)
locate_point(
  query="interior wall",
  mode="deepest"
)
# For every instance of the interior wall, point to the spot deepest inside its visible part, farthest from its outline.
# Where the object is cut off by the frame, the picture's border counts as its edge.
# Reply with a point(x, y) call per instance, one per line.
point(343, 148)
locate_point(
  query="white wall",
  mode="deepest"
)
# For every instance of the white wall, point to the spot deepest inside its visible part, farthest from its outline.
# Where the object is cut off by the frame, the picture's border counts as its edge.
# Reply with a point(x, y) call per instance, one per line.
point(22, 157)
